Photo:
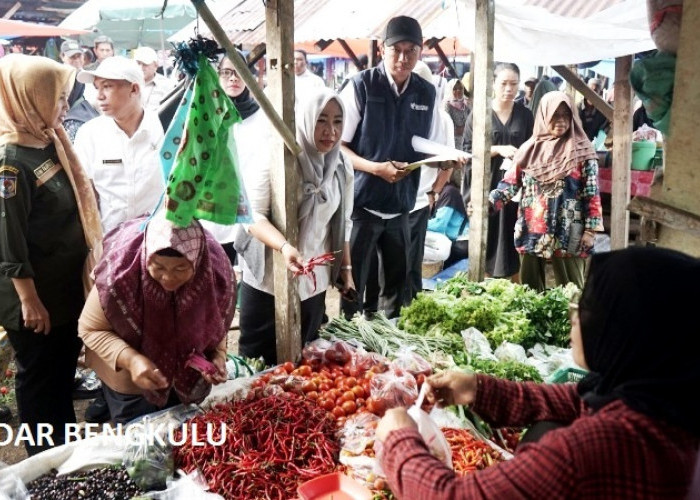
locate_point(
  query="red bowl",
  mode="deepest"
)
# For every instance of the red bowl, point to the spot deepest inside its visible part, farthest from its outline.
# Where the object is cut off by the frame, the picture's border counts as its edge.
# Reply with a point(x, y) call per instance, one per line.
point(336, 485)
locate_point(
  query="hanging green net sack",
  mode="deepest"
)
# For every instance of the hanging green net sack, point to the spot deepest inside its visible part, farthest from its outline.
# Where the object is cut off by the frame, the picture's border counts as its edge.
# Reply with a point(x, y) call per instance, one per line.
point(205, 182)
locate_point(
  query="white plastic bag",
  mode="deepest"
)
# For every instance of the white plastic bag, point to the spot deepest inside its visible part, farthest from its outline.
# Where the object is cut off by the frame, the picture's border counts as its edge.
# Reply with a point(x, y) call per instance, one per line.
point(437, 247)
point(508, 351)
point(429, 430)
point(190, 486)
point(477, 345)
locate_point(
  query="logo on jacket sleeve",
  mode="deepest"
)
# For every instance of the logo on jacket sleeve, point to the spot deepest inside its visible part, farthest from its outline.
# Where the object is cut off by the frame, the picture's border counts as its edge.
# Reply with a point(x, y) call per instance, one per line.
point(8, 182)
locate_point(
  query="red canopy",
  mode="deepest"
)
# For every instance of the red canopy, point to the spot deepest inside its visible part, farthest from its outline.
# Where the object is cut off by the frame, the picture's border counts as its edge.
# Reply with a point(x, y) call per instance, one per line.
point(9, 29)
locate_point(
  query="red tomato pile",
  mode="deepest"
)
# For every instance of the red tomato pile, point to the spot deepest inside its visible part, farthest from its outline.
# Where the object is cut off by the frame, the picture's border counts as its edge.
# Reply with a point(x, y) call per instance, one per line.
point(340, 389)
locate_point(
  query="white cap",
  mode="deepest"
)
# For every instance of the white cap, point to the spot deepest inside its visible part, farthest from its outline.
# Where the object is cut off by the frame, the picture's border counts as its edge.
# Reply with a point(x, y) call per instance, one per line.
point(115, 68)
point(145, 55)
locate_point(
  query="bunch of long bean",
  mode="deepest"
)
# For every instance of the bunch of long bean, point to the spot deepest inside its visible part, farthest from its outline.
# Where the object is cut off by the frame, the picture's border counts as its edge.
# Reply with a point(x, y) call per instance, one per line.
point(382, 336)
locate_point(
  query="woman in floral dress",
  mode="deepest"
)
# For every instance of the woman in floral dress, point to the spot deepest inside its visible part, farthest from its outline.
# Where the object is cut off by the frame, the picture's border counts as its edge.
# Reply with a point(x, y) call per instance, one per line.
point(560, 209)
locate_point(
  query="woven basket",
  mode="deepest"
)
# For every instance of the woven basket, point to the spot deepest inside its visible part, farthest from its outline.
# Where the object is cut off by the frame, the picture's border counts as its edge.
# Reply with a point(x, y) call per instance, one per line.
point(431, 268)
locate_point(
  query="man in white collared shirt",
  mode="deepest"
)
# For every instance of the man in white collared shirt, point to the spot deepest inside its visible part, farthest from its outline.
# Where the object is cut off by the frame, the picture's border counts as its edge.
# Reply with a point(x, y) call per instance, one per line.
point(157, 86)
point(305, 81)
point(119, 150)
point(384, 108)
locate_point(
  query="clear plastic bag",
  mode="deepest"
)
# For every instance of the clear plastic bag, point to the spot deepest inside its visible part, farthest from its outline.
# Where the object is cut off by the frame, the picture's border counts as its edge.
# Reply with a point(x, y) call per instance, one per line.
point(12, 488)
point(358, 432)
point(149, 460)
point(430, 431)
point(361, 361)
point(313, 351)
point(395, 387)
point(508, 351)
point(192, 486)
point(407, 360)
point(476, 344)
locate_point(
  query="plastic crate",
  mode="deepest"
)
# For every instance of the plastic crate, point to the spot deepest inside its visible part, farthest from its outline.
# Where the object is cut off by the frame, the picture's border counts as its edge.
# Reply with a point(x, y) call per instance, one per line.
point(566, 375)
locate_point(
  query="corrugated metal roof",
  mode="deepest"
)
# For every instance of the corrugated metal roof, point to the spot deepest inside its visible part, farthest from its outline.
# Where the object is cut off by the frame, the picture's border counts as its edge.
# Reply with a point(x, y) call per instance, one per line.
point(573, 8)
point(342, 19)
point(328, 19)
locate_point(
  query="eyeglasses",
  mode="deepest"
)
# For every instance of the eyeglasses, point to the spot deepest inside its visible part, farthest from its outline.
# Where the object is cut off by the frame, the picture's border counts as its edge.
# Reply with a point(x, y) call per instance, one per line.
point(227, 73)
point(407, 53)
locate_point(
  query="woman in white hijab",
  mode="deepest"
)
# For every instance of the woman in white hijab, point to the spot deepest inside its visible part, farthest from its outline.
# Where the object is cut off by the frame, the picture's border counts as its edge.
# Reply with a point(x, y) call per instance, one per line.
point(325, 198)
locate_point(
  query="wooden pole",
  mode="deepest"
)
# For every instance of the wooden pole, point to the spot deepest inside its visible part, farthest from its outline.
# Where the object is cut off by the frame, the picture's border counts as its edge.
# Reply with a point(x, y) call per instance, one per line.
point(581, 86)
point(242, 69)
point(434, 43)
point(622, 155)
point(372, 57)
point(279, 17)
point(481, 143)
point(348, 50)
point(681, 180)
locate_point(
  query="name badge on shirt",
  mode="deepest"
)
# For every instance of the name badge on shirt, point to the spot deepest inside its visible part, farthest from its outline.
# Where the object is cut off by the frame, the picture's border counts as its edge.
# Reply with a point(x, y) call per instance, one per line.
point(46, 171)
point(112, 162)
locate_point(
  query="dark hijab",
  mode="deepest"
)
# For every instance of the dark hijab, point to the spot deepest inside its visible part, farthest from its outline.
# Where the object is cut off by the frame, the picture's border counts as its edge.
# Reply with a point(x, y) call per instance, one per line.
point(640, 336)
point(244, 102)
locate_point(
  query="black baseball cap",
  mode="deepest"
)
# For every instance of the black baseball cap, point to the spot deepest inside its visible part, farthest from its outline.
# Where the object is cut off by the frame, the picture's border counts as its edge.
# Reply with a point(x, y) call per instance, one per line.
point(403, 29)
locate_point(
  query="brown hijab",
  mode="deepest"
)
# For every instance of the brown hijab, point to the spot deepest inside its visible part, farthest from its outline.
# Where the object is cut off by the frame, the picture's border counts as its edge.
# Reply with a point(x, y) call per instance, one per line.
point(548, 158)
point(30, 87)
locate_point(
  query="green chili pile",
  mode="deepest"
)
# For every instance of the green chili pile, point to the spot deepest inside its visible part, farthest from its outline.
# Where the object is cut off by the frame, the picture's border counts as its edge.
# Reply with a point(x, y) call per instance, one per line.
point(273, 444)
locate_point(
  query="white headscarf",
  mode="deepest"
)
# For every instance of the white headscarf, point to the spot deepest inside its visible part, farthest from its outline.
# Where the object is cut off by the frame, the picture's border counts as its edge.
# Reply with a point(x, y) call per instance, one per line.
point(317, 169)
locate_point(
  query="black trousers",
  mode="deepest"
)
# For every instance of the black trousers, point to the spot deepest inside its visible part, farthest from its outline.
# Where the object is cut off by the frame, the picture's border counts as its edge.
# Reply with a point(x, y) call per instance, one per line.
point(418, 225)
point(123, 408)
point(44, 381)
point(389, 237)
point(257, 322)
point(418, 222)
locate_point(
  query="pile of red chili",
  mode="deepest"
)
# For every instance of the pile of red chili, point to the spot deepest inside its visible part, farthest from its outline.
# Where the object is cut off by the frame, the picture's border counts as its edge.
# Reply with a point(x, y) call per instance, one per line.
point(273, 444)
point(468, 453)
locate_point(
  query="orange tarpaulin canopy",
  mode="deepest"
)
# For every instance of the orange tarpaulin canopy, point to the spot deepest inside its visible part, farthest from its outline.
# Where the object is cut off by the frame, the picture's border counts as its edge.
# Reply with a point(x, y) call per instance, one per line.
point(10, 29)
point(450, 47)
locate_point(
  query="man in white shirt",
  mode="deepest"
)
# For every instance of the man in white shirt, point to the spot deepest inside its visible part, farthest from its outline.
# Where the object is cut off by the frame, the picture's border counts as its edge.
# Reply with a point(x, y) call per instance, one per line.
point(119, 150)
point(157, 86)
point(305, 81)
point(384, 108)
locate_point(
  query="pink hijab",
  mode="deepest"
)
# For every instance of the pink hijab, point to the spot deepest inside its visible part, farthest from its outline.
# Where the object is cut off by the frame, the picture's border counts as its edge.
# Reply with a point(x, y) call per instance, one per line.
point(167, 326)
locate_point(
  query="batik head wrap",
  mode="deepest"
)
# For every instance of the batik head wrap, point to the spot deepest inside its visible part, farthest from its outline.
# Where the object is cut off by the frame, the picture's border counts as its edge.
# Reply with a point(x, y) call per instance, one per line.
point(167, 326)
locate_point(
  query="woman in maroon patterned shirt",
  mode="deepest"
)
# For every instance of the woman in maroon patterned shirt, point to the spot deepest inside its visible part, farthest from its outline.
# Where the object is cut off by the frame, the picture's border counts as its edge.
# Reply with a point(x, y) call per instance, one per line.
point(630, 428)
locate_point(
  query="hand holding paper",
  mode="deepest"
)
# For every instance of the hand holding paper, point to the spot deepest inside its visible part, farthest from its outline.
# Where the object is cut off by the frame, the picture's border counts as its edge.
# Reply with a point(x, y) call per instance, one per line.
point(441, 153)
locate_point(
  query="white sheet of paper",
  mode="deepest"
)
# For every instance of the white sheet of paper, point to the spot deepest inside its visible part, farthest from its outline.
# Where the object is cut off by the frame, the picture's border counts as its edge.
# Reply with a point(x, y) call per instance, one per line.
point(423, 145)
